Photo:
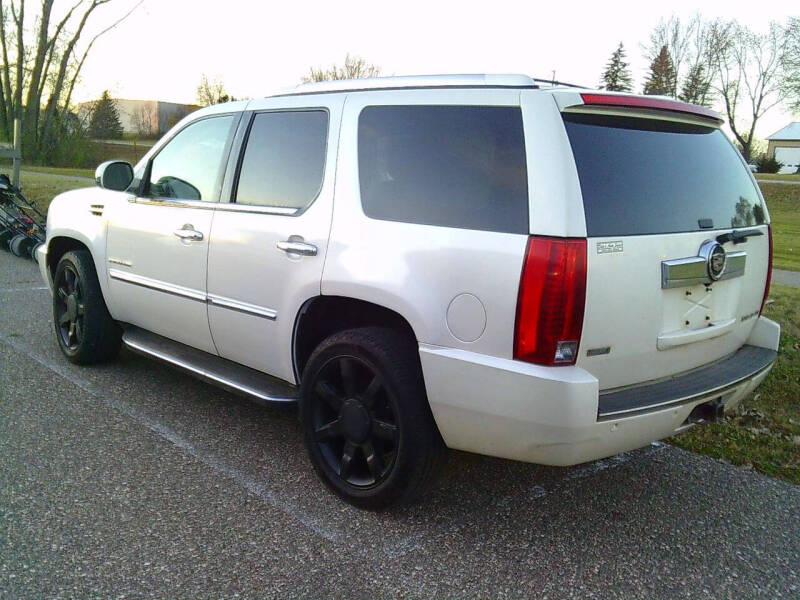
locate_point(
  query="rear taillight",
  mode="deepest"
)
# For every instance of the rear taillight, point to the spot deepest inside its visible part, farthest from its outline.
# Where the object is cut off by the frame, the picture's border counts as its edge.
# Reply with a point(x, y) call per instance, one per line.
point(552, 295)
point(769, 270)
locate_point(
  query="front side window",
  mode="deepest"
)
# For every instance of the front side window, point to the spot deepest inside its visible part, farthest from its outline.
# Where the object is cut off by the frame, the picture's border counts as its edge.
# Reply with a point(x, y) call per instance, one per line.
point(452, 166)
point(284, 162)
point(189, 166)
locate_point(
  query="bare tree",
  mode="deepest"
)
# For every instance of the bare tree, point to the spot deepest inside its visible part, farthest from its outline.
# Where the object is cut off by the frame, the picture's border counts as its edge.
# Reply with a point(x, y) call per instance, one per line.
point(790, 84)
point(41, 63)
point(676, 36)
point(144, 120)
point(354, 67)
point(688, 45)
point(748, 70)
point(212, 92)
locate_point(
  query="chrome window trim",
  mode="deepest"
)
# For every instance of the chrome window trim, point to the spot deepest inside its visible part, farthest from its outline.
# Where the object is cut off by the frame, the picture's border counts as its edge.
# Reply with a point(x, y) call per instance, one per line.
point(192, 294)
point(242, 150)
point(227, 207)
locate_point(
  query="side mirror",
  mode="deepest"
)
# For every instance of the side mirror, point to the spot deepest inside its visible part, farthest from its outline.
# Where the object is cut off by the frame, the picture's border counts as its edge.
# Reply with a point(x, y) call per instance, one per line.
point(114, 175)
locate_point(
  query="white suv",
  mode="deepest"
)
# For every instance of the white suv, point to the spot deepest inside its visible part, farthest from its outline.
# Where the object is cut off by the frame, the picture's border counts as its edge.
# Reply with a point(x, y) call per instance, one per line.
point(550, 275)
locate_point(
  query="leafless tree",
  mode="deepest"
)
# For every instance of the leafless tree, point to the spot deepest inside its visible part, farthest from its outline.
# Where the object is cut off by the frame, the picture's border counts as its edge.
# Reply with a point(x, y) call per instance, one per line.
point(790, 84)
point(689, 46)
point(748, 71)
point(676, 35)
point(212, 92)
point(354, 67)
point(144, 119)
point(40, 62)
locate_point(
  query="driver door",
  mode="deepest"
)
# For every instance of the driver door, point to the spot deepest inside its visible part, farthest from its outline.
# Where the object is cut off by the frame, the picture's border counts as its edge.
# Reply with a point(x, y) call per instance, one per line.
point(157, 244)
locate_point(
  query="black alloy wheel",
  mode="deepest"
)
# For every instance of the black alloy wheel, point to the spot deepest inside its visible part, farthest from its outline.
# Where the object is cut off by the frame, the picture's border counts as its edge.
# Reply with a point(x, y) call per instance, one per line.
point(354, 421)
point(69, 308)
point(367, 424)
point(85, 330)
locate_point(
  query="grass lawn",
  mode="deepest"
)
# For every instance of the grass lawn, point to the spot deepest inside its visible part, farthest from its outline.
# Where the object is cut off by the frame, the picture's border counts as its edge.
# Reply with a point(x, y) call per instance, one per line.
point(41, 188)
point(59, 171)
point(766, 432)
point(783, 202)
point(786, 177)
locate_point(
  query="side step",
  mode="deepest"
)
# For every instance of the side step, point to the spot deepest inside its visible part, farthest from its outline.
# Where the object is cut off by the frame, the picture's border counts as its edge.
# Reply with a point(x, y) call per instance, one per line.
point(213, 369)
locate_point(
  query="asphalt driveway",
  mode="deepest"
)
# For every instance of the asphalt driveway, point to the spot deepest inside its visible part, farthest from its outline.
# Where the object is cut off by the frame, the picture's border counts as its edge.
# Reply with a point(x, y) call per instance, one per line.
point(132, 480)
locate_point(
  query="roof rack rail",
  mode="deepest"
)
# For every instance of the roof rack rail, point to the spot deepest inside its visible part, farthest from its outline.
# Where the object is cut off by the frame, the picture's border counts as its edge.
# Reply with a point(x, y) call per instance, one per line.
point(411, 81)
point(556, 82)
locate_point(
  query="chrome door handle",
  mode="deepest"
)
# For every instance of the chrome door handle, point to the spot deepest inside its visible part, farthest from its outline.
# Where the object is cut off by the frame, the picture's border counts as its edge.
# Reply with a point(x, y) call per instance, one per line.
point(297, 248)
point(188, 233)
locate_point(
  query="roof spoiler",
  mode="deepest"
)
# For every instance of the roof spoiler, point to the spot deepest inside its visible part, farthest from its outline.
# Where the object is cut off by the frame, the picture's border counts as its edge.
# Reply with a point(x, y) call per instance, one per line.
point(650, 103)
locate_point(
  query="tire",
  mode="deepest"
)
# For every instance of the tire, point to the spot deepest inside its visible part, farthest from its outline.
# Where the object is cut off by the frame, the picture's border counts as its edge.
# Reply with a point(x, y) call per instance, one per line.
point(85, 331)
point(19, 244)
point(366, 421)
point(5, 237)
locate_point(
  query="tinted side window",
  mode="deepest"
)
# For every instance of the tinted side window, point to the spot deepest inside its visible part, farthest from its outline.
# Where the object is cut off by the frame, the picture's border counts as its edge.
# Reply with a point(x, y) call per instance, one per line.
point(284, 161)
point(454, 166)
point(188, 167)
point(645, 176)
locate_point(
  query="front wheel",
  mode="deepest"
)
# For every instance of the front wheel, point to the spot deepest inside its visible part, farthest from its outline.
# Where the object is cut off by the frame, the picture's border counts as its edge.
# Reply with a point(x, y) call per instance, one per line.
point(85, 331)
point(367, 424)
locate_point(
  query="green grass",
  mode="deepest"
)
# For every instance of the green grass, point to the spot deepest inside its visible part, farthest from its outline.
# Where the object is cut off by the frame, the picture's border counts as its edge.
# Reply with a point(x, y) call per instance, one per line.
point(765, 434)
point(59, 171)
point(41, 188)
point(785, 177)
point(783, 202)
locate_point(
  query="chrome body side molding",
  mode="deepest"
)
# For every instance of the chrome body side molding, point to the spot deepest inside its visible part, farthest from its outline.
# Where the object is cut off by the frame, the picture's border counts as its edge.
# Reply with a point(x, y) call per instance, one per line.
point(197, 295)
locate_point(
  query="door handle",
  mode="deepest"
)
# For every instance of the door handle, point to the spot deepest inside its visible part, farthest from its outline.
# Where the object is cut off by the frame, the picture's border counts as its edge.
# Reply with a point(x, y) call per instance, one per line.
point(301, 248)
point(188, 233)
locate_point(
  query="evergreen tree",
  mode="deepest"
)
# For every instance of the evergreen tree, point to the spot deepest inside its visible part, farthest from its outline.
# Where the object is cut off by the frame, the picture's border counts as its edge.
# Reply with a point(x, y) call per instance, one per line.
point(662, 79)
point(697, 87)
point(104, 123)
point(617, 76)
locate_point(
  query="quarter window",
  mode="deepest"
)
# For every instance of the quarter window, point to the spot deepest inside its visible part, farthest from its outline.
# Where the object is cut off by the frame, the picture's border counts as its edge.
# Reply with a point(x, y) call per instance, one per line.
point(189, 166)
point(453, 166)
point(284, 161)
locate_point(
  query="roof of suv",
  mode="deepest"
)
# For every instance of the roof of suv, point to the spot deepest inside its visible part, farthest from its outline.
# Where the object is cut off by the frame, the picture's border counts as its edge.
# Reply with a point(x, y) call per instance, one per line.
point(418, 81)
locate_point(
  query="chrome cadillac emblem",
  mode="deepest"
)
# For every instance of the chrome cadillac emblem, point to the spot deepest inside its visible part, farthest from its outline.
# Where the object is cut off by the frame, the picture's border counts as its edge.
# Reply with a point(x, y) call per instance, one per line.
point(715, 256)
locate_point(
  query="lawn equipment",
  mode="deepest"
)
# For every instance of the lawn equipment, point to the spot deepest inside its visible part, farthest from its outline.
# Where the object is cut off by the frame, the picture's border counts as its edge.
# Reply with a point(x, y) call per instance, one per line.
point(22, 225)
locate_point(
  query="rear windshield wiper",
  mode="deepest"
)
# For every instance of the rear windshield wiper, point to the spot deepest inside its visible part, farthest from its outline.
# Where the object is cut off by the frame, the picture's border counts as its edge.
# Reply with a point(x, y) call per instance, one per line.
point(738, 237)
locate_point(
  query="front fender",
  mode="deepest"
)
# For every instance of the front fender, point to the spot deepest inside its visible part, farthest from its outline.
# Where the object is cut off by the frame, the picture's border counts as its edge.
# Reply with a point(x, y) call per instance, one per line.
point(78, 215)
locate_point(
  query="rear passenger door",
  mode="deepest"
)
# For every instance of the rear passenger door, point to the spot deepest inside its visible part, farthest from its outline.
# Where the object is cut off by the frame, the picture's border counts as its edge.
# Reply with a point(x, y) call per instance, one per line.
point(268, 241)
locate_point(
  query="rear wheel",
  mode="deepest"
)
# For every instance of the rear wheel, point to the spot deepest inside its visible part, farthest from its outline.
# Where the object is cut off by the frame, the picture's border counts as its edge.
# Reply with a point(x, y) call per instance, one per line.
point(85, 331)
point(367, 424)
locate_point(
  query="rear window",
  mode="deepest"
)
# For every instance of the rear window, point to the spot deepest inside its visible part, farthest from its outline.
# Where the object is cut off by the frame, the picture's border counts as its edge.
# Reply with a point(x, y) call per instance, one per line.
point(454, 166)
point(644, 176)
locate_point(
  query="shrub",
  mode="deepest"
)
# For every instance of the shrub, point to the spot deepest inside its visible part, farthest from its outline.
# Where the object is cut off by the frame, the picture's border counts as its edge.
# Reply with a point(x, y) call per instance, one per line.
point(767, 164)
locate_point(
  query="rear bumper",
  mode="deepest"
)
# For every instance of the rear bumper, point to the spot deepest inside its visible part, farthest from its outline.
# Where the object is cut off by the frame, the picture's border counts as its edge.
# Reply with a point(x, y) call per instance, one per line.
point(550, 415)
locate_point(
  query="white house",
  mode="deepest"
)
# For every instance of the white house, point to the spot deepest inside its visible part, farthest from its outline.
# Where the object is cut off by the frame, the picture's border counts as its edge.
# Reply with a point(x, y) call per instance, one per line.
point(784, 146)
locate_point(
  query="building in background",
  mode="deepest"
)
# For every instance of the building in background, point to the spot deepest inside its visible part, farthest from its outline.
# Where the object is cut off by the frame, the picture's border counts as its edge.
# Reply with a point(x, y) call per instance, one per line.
point(784, 146)
point(144, 117)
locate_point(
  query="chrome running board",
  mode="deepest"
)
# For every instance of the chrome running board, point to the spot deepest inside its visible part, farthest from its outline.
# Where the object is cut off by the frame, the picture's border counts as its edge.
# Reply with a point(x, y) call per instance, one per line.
point(218, 371)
